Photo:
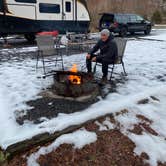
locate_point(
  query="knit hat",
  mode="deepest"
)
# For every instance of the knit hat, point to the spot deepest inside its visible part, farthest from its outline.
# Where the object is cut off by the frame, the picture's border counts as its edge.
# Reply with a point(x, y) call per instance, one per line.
point(105, 32)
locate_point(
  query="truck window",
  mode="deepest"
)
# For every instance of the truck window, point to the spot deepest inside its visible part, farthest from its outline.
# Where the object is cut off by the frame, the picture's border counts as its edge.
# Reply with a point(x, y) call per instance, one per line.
point(107, 18)
point(133, 18)
point(139, 18)
point(124, 19)
point(119, 19)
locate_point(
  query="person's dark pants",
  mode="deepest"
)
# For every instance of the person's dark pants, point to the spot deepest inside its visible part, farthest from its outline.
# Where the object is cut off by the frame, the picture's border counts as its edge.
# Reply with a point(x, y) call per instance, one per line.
point(104, 65)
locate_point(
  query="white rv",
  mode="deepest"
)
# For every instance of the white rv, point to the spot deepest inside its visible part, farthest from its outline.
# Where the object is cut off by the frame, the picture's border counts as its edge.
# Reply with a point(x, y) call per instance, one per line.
point(29, 17)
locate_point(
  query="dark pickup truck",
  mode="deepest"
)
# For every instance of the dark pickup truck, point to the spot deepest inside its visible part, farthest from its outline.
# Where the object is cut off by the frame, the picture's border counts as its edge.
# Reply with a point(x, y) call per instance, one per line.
point(124, 23)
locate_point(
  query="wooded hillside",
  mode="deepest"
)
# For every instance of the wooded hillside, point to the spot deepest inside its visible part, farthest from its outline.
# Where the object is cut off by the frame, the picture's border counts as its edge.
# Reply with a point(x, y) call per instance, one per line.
point(145, 8)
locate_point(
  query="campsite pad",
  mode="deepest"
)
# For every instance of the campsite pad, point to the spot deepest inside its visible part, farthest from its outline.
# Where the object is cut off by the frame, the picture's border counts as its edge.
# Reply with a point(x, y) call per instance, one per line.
point(48, 106)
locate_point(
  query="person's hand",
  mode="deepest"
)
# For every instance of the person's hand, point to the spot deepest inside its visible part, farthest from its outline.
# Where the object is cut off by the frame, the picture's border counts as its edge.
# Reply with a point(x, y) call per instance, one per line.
point(88, 56)
point(94, 59)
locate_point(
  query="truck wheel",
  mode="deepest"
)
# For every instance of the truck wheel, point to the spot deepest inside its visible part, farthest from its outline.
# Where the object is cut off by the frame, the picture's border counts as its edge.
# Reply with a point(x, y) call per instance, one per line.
point(30, 37)
point(147, 31)
point(123, 32)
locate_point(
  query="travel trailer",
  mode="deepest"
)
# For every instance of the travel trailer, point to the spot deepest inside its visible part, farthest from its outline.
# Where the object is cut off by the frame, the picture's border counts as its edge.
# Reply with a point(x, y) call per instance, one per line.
point(29, 17)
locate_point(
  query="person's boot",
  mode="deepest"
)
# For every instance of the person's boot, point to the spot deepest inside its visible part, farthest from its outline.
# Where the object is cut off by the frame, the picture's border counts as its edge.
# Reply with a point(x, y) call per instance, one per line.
point(104, 80)
point(90, 76)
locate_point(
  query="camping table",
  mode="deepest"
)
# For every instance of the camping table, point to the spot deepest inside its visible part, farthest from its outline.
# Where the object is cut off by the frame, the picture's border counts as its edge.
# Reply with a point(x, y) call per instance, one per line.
point(81, 46)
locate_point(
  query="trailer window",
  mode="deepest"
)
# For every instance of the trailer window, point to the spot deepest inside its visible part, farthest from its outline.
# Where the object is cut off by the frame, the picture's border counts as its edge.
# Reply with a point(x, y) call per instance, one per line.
point(49, 8)
point(26, 1)
point(68, 6)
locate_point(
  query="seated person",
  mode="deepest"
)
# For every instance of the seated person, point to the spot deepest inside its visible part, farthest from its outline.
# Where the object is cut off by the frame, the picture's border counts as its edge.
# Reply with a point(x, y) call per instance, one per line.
point(108, 53)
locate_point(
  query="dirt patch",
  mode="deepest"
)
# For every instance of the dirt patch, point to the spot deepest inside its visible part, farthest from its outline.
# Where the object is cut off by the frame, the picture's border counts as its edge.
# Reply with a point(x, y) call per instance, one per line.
point(154, 98)
point(143, 101)
point(50, 108)
point(111, 148)
point(143, 118)
point(121, 112)
point(139, 128)
point(144, 125)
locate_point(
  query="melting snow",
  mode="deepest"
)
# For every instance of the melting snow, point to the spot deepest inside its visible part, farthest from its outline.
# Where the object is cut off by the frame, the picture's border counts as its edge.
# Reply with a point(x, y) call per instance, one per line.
point(145, 63)
point(157, 36)
point(154, 146)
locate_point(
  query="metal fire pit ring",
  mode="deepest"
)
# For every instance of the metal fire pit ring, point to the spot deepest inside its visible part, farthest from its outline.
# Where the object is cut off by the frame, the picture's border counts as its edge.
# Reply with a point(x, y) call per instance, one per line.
point(63, 87)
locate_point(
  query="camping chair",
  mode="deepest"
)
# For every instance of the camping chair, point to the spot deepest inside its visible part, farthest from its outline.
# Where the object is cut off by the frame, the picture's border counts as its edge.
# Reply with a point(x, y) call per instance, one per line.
point(46, 47)
point(121, 43)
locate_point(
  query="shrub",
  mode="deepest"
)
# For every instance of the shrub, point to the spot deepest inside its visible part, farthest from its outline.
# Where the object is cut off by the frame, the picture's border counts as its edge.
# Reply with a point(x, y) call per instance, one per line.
point(157, 17)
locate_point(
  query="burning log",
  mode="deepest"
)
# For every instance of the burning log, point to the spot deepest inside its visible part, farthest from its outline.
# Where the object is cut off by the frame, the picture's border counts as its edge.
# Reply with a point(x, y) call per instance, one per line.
point(74, 79)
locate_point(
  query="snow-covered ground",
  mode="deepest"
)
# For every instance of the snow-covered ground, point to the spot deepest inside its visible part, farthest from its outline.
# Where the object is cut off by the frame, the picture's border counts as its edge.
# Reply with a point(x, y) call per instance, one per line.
point(155, 111)
point(146, 67)
point(159, 34)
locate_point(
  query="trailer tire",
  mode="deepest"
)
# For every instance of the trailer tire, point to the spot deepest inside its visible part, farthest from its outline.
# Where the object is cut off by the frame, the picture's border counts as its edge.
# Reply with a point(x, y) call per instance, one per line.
point(132, 33)
point(30, 37)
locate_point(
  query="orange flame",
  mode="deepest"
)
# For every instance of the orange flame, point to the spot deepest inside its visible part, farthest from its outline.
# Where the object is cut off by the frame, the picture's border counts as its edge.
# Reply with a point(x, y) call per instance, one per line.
point(73, 78)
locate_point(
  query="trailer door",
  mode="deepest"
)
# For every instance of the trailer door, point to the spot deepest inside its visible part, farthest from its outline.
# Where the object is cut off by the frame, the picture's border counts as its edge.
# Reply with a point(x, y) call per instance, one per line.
point(1, 6)
point(68, 9)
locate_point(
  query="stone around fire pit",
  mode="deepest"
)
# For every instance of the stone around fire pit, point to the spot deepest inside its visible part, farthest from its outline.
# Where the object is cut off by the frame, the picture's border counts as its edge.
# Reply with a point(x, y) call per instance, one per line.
point(83, 88)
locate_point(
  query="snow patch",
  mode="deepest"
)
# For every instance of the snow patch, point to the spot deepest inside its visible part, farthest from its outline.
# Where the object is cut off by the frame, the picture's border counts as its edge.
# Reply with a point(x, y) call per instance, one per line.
point(160, 34)
point(101, 126)
point(108, 124)
point(105, 125)
point(154, 146)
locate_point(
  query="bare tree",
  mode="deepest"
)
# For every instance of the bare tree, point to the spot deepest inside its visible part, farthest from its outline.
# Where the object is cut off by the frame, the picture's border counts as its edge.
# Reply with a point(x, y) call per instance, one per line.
point(145, 8)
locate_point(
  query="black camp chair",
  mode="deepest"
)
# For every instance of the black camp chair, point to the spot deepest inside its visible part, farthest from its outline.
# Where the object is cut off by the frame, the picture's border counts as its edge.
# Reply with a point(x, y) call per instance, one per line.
point(121, 43)
point(48, 47)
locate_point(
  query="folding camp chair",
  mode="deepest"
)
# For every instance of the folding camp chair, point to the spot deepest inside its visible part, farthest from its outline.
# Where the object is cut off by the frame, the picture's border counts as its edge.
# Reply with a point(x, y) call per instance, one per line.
point(46, 48)
point(121, 43)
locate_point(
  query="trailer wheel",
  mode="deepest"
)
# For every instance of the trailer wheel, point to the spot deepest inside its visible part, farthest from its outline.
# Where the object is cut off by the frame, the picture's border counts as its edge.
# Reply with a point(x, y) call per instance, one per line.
point(30, 37)
point(132, 33)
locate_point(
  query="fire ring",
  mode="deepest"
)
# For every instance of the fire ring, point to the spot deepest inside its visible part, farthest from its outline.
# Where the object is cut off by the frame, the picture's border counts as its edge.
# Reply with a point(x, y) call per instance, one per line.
point(74, 84)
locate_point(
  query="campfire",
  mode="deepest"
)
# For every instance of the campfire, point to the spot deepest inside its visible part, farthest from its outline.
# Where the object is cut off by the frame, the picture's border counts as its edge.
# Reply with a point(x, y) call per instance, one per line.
point(74, 83)
point(74, 79)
